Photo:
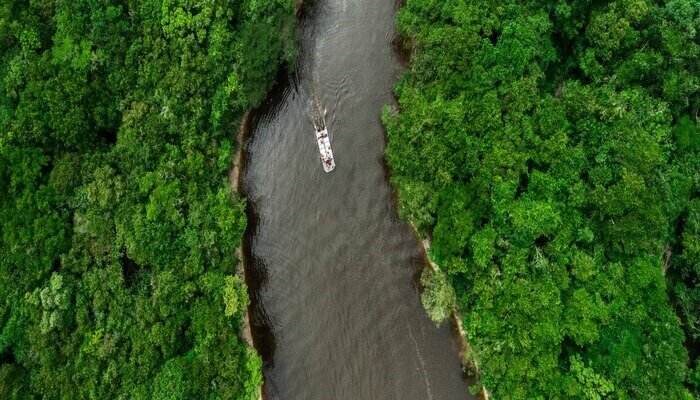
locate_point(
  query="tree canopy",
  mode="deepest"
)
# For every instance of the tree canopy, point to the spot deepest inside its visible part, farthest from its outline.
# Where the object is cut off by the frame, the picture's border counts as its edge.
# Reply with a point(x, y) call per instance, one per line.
point(551, 150)
point(118, 223)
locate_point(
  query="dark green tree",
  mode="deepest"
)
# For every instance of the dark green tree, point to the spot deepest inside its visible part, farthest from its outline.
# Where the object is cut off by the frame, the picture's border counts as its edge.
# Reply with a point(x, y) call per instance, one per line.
point(545, 149)
point(117, 222)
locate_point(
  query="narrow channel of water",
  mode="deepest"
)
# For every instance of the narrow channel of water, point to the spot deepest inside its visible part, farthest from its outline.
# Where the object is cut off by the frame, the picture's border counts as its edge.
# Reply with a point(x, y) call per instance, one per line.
point(331, 269)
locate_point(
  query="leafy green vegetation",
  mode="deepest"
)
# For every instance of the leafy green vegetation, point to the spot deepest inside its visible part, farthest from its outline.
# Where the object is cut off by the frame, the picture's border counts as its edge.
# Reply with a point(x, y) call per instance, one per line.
point(118, 225)
point(551, 150)
point(438, 297)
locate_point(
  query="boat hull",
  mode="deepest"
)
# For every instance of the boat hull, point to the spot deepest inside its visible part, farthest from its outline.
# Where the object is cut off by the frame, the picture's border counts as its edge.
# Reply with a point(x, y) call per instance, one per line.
point(324, 147)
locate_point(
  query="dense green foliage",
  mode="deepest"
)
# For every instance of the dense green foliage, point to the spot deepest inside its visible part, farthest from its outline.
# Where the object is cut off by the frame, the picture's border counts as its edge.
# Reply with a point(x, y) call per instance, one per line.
point(438, 296)
point(682, 254)
point(552, 151)
point(118, 225)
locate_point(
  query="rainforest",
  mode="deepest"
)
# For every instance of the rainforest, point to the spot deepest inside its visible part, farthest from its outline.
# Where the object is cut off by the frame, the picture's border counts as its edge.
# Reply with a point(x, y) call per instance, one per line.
point(551, 152)
point(546, 152)
point(118, 223)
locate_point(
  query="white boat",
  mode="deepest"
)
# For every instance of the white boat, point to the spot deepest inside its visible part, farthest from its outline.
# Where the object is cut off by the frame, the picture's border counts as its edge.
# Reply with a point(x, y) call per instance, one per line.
point(324, 147)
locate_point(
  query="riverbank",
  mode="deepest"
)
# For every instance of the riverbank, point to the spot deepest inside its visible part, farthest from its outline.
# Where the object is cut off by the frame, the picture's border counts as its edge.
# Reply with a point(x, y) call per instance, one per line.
point(234, 178)
point(404, 46)
point(466, 356)
point(235, 172)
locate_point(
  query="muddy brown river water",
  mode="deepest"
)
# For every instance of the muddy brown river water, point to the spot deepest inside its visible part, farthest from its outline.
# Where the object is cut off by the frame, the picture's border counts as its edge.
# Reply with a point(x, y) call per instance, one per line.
point(332, 271)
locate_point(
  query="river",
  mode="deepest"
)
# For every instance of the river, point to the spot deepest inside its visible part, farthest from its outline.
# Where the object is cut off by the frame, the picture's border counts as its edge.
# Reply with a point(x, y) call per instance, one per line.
point(332, 271)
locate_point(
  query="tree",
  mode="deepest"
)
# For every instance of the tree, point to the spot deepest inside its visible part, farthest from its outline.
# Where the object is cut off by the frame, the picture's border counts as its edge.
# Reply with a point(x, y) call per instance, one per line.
point(543, 148)
point(118, 223)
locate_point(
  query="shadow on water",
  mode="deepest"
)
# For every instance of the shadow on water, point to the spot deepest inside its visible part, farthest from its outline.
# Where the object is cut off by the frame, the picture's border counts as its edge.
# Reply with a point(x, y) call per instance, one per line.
point(256, 275)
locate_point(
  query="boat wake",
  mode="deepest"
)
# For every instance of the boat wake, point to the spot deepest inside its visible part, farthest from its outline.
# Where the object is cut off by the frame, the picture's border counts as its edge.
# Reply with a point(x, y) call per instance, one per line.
point(422, 363)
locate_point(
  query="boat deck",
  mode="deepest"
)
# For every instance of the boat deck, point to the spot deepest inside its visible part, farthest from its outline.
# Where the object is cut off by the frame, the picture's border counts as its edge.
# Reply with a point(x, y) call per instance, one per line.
point(324, 147)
